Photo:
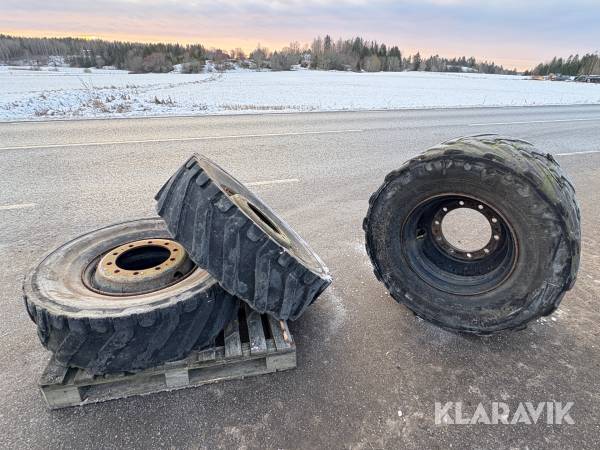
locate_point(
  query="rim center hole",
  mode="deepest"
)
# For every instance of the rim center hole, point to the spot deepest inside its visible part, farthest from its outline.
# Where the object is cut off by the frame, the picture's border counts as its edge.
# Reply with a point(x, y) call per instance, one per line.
point(466, 229)
point(141, 258)
point(264, 218)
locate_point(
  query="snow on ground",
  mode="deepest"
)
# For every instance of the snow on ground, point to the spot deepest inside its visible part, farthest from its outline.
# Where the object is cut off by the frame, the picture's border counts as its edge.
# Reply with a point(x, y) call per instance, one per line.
point(73, 93)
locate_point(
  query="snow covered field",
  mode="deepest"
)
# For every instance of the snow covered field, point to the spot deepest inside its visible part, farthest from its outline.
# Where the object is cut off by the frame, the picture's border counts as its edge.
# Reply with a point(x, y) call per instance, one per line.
point(72, 93)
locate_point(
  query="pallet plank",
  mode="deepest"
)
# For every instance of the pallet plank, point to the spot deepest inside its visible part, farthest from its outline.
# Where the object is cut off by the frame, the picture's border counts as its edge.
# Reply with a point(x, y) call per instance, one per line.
point(83, 377)
point(53, 374)
point(61, 396)
point(277, 332)
point(208, 354)
point(283, 361)
point(236, 370)
point(233, 344)
point(287, 336)
point(177, 377)
point(256, 332)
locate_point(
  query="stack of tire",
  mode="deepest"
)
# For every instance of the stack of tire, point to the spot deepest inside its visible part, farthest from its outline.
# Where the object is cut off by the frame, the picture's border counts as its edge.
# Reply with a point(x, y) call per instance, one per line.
point(137, 294)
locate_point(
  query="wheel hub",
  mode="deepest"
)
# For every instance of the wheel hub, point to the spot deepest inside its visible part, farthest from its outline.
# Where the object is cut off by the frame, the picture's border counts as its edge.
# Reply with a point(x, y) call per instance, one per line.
point(142, 266)
point(492, 218)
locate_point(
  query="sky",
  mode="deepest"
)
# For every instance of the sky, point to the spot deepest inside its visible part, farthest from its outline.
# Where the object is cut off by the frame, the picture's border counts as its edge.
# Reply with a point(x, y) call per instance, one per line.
point(515, 33)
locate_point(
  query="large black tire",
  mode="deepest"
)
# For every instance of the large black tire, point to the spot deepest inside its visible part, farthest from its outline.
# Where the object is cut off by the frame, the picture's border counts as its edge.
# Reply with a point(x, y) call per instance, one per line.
point(106, 333)
point(520, 275)
point(239, 240)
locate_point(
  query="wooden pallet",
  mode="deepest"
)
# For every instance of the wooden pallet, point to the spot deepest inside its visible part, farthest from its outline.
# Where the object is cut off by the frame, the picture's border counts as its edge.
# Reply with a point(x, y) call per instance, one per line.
point(250, 345)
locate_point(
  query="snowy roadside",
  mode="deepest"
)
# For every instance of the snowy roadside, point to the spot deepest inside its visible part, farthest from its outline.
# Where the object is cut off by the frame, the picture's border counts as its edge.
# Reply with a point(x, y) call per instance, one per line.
point(72, 93)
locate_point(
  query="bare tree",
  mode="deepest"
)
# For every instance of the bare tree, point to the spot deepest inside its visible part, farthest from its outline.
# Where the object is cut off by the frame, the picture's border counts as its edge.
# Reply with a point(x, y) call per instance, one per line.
point(259, 56)
point(282, 61)
point(393, 64)
point(194, 66)
point(238, 53)
point(156, 62)
point(372, 64)
point(134, 62)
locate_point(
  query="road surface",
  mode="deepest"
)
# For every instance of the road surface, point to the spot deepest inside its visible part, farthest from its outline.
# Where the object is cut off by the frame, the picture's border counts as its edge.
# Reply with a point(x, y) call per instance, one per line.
point(368, 373)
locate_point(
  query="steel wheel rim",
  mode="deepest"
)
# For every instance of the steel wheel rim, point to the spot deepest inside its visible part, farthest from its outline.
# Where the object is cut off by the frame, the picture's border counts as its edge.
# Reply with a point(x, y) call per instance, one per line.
point(447, 268)
point(138, 267)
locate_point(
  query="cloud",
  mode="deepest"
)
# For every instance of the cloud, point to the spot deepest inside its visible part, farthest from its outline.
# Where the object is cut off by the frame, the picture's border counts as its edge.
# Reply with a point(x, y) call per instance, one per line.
point(493, 29)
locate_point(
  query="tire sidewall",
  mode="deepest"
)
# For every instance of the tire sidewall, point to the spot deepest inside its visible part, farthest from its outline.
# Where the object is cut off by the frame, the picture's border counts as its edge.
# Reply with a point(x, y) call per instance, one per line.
point(57, 285)
point(536, 226)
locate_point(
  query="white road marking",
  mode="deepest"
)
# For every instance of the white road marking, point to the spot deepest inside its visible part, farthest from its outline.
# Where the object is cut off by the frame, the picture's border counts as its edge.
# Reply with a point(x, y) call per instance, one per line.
point(19, 206)
point(267, 183)
point(252, 183)
point(534, 121)
point(197, 138)
point(587, 152)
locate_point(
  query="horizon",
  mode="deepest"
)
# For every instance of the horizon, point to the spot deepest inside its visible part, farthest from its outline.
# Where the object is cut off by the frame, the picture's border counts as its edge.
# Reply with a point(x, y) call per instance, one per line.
point(246, 50)
point(249, 49)
point(508, 33)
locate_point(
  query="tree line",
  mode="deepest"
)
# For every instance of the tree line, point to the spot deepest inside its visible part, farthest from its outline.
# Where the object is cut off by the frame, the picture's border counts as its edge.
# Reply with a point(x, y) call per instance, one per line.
point(588, 64)
point(356, 54)
point(132, 56)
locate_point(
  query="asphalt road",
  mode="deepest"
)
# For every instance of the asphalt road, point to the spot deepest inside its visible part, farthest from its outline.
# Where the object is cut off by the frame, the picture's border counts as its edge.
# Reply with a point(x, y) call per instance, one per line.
point(368, 372)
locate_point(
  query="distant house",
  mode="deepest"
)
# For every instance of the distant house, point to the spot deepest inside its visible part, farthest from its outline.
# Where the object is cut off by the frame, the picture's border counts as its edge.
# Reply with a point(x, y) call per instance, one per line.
point(558, 77)
point(464, 69)
point(306, 60)
point(588, 79)
point(56, 61)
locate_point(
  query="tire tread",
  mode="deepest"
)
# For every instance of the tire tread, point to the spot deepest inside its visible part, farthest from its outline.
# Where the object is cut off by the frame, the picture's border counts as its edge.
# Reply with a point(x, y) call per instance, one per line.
point(519, 158)
point(80, 343)
point(225, 242)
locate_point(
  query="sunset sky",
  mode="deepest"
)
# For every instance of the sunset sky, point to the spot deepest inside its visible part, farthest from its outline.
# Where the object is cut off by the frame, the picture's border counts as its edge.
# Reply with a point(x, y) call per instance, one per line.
point(510, 32)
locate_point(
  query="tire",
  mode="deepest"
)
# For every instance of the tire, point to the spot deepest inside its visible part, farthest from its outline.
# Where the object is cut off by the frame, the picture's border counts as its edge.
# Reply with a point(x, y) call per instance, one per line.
point(106, 332)
point(522, 273)
point(240, 241)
